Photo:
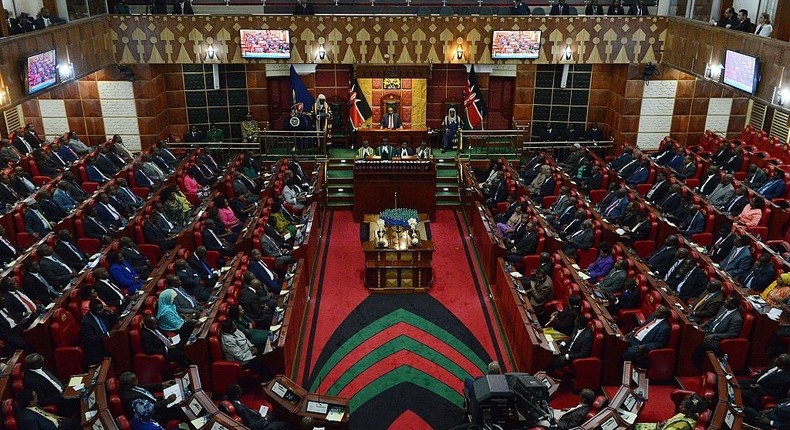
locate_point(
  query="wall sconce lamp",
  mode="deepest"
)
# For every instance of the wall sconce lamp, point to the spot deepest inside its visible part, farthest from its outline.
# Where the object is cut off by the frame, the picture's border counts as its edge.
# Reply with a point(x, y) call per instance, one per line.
point(65, 71)
point(459, 53)
point(781, 97)
point(3, 96)
point(713, 71)
point(568, 52)
point(321, 52)
point(210, 52)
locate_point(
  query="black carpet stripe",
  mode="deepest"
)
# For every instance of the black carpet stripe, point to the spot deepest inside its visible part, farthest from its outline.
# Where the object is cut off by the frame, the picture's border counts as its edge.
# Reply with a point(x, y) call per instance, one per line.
point(379, 305)
point(479, 289)
point(317, 301)
point(380, 411)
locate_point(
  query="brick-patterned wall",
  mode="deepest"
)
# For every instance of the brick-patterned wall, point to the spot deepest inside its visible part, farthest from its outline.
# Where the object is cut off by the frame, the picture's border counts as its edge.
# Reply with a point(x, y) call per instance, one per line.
point(119, 111)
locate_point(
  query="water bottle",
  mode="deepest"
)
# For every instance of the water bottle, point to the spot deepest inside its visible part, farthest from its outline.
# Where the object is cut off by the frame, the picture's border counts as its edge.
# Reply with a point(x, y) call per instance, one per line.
point(724, 361)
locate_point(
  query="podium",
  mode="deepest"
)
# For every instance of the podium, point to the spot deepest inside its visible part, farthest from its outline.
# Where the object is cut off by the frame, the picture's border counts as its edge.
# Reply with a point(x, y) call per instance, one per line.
point(405, 268)
point(377, 181)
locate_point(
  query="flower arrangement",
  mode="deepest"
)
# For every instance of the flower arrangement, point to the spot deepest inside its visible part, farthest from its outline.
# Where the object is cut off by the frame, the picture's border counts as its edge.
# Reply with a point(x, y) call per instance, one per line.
point(398, 217)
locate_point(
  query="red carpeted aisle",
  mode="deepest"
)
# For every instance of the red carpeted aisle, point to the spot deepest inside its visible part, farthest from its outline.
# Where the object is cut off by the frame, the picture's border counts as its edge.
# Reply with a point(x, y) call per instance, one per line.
point(372, 348)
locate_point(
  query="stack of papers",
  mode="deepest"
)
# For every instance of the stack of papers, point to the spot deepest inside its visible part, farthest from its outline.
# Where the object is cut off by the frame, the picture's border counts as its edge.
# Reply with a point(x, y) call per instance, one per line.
point(175, 390)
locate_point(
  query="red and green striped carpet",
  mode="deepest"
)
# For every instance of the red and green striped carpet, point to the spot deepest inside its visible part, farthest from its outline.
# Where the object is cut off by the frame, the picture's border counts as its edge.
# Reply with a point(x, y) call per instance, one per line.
point(400, 358)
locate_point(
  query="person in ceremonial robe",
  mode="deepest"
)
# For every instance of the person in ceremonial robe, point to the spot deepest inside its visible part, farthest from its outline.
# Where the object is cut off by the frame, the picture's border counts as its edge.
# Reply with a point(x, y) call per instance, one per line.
point(250, 129)
point(322, 113)
point(365, 150)
point(450, 125)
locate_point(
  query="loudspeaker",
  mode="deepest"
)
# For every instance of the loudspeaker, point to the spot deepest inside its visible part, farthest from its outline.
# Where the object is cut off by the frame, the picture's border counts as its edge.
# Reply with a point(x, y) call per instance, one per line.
point(491, 400)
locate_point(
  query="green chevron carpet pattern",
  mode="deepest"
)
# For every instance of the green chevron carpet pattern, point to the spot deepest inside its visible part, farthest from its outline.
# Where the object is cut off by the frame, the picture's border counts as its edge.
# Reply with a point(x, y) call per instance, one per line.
point(401, 359)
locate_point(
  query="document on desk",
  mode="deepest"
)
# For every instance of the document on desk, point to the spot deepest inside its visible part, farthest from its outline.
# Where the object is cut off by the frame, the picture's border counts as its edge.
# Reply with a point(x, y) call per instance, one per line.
point(175, 340)
point(336, 414)
point(584, 276)
point(627, 416)
point(620, 231)
point(175, 390)
point(775, 313)
point(199, 422)
point(76, 380)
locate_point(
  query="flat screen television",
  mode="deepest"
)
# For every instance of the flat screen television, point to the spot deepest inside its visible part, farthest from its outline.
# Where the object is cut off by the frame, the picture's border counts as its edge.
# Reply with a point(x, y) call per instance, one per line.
point(741, 71)
point(508, 44)
point(41, 71)
point(265, 44)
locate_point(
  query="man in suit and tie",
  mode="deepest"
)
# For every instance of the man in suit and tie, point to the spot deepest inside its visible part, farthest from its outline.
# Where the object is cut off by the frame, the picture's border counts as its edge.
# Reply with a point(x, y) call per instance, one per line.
point(62, 198)
point(424, 152)
point(282, 257)
point(385, 150)
point(154, 342)
point(694, 222)
point(54, 269)
point(578, 345)
point(213, 242)
point(739, 260)
point(30, 416)
point(772, 381)
point(93, 172)
point(725, 325)
point(566, 216)
point(777, 417)
point(108, 214)
point(539, 290)
point(755, 177)
point(93, 227)
point(8, 251)
point(263, 273)
point(708, 303)
point(391, 120)
point(21, 143)
point(404, 150)
point(614, 280)
point(36, 224)
point(576, 416)
point(624, 158)
point(22, 182)
point(11, 329)
point(132, 254)
point(127, 195)
point(615, 209)
point(662, 259)
point(36, 287)
point(130, 390)
point(250, 299)
point(659, 190)
point(109, 292)
point(94, 328)
point(723, 192)
point(560, 8)
point(761, 275)
point(775, 188)
point(653, 334)
point(639, 231)
point(47, 386)
point(550, 133)
point(688, 169)
point(153, 234)
point(592, 182)
point(197, 261)
point(632, 165)
point(8, 196)
point(710, 182)
point(671, 201)
point(689, 282)
point(67, 249)
point(640, 175)
point(527, 244)
point(735, 206)
point(191, 282)
point(638, 9)
point(582, 239)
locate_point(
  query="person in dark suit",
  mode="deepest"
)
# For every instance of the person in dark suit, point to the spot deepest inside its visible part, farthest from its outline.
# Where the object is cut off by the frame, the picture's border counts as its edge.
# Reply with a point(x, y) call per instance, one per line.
point(8, 251)
point(17, 303)
point(560, 8)
point(263, 273)
point(576, 416)
point(744, 23)
point(688, 169)
point(404, 150)
point(269, 248)
point(755, 177)
point(694, 222)
point(616, 8)
point(659, 190)
point(154, 234)
point(56, 271)
point(707, 304)
point(736, 204)
point(154, 342)
point(624, 158)
point(30, 416)
point(725, 325)
point(22, 145)
point(578, 345)
point(197, 261)
point(251, 419)
point(143, 180)
point(94, 328)
point(22, 182)
point(638, 8)
point(256, 309)
point(772, 381)
point(132, 254)
point(45, 165)
point(11, 329)
point(190, 281)
point(46, 19)
point(739, 261)
point(36, 286)
point(728, 20)
point(67, 250)
point(593, 9)
point(671, 201)
point(303, 8)
point(213, 242)
point(777, 417)
point(592, 182)
point(550, 133)
point(519, 8)
point(47, 386)
point(109, 292)
point(614, 280)
point(640, 175)
point(710, 181)
point(614, 210)
point(32, 136)
point(582, 239)
point(50, 210)
point(184, 8)
point(391, 120)
point(653, 334)
point(130, 390)
point(527, 245)
point(761, 275)
point(689, 282)
point(775, 187)
point(8, 196)
point(94, 228)
point(639, 231)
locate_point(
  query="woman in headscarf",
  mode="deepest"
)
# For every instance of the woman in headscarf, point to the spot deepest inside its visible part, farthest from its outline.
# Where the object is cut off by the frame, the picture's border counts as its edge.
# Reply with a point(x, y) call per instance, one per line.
point(451, 124)
point(778, 292)
point(169, 318)
point(143, 419)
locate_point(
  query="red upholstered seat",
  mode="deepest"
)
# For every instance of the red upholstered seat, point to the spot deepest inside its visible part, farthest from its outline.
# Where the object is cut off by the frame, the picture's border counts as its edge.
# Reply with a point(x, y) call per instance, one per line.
point(662, 360)
point(123, 423)
point(632, 317)
point(587, 370)
point(147, 367)
point(89, 187)
point(9, 416)
point(113, 399)
point(88, 245)
point(702, 239)
point(644, 248)
point(223, 373)
point(151, 252)
point(65, 333)
point(585, 257)
point(738, 348)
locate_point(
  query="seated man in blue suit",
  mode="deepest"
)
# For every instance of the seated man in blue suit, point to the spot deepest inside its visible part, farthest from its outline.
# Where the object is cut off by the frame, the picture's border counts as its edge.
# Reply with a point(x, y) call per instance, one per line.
point(640, 175)
point(774, 188)
point(35, 223)
point(694, 222)
point(93, 172)
point(739, 261)
point(263, 273)
point(615, 209)
point(653, 334)
point(31, 416)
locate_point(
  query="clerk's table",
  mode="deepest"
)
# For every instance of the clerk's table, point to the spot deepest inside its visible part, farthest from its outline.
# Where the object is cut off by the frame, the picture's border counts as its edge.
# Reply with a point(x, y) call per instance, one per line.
point(399, 266)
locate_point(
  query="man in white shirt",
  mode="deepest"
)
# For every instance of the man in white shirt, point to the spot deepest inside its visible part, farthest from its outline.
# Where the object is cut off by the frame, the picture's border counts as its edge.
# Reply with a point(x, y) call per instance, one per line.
point(48, 387)
point(653, 334)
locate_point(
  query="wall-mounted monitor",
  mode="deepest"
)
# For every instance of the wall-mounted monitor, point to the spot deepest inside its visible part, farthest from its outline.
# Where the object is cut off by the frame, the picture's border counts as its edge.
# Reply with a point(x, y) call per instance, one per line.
point(741, 71)
point(265, 44)
point(508, 44)
point(41, 71)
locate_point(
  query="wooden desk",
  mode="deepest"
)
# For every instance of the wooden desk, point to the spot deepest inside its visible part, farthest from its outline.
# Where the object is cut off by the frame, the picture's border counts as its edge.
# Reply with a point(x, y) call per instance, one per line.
point(488, 243)
point(291, 403)
point(728, 410)
point(5, 377)
point(399, 271)
point(377, 182)
point(394, 137)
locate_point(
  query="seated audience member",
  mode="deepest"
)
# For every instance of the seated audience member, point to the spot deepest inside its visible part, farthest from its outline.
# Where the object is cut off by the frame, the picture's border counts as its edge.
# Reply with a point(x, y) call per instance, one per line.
point(17, 302)
point(582, 239)
point(775, 187)
point(777, 417)
point(30, 416)
point(503, 229)
point(282, 256)
point(153, 234)
point(142, 179)
point(107, 290)
point(592, 182)
point(639, 175)
point(625, 157)
point(708, 303)
point(694, 222)
point(659, 190)
point(673, 269)
point(93, 227)
point(50, 210)
point(130, 390)
point(723, 192)
point(8, 153)
point(602, 264)
point(723, 244)
point(578, 345)
point(124, 209)
point(735, 205)
point(213, 242)
point(94, 328)
point(251, 419)
point(725, 325)
point(74, 189)
point(45, 165)
point(62, 198)
point(22, 182)
point(191, 281)
point(257, 302)
point(76, 145)
point(710, 182)
point(164, 223)
point(755, 177)
point(617, 206)
point(194, 135)
point(108, 215)
point(93, 172)
point(176, 206)
point(154, 341)
point(566, 216)
point(628, 299)
point(576, 416)
point(238, 348)
point(127, 195)
point(47, 386)
point(689, 282)
point(688, 169)
point(772, 381)
point(743, 22)
point(186, 304)
point(11, 329)
point(559, 8)
point(226, 214)
point(202, 174)
point(563, 322)
point(739, 261)
point(729, 19)
point(170, 319)
point(263, 273)
point(539, 290)
point(613, 282)
point(87, 294)
point(118, 146)
point(761, 274)
point(653, 334)
point(777, 292)
point(671, 201)
point(197, 261)
point(687, 415)
point(54, 269)
point(36, 286)
point(132, 254)
point(8, 196)
point(65, 152)
point(522, 242)
point(8, 251)
point(143, 415)
point(54, 156)
point(247, 326)
point(68, 251)
point(122, 273)
point(752, 213)
point(640, 230)
point(152, 170)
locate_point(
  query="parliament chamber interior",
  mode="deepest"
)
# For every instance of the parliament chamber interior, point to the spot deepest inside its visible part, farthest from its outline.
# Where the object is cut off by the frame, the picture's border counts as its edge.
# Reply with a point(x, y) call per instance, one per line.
point(393, 214)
